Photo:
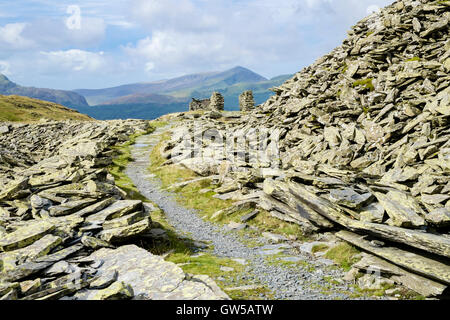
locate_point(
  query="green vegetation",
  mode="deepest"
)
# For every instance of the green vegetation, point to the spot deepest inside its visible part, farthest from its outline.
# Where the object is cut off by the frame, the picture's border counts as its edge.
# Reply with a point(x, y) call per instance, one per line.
point(414, 59)
point(366, 83)
point(278, 260)
point(359, 292)
point(205, 264)
point(23, 109)
point(343, 69)
point(319, 248)
point(267, 223)
point(344, 254)
point(189, 196)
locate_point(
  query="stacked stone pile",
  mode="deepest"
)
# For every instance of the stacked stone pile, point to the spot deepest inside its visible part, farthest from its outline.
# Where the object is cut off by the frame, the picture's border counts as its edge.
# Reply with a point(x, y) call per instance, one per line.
point(246, 101)
point(363, 140)
point(217, 102)
point(62, 217)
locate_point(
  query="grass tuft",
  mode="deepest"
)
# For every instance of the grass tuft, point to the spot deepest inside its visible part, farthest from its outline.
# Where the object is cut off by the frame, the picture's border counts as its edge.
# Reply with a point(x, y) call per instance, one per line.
point(344, 254)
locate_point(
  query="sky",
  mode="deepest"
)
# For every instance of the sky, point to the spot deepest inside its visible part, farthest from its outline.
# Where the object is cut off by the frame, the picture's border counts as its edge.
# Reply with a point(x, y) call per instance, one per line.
point(72, 44)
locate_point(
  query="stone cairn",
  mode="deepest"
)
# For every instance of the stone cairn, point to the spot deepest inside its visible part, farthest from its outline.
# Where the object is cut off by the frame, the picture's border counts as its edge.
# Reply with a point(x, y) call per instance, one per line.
point(246, 101)
point(217, 102)
point(199, 104)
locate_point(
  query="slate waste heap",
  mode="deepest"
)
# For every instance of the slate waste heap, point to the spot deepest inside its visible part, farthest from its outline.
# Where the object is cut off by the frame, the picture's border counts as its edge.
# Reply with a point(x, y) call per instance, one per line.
point(363, 137)
point(66, 230)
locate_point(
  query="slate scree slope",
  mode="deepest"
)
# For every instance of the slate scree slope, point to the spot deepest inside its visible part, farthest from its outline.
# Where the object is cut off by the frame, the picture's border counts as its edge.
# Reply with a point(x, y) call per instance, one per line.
point(360, 142)
point(357, 142)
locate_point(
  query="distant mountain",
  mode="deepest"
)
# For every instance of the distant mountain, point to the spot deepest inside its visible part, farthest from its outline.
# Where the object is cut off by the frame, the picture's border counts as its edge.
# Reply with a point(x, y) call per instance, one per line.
point(180, 87)
point(17, 108)
point(142, 98)
point(66, 98)
point(154, 99)
point(146, 111)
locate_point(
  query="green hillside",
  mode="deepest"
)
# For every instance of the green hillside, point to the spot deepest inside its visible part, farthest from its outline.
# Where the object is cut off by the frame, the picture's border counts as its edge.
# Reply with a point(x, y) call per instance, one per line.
point(24, 109)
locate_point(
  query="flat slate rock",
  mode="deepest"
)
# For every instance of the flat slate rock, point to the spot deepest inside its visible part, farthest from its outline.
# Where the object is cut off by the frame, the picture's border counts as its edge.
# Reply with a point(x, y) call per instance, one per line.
point(152, 278)
point(430, 268)
point(25, 235)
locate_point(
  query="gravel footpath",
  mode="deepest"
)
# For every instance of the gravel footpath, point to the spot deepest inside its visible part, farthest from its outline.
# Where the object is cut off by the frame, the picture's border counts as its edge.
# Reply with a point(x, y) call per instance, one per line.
point(285, 283)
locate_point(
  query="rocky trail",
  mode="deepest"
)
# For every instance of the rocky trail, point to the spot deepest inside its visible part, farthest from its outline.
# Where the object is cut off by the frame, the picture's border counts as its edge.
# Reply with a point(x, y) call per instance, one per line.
point(299, 283)
point(349, 160)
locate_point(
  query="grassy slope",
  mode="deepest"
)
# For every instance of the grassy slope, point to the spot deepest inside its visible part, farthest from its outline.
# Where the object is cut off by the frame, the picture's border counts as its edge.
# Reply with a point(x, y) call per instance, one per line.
point(17, 108)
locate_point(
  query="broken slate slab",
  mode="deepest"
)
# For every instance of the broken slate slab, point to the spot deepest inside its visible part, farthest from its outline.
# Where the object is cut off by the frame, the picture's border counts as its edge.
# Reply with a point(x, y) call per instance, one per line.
point(249, 216)
point(122, 233)
point(152, 278)
point(10, 260)
point(116, 210)
point(349, 198)
point(13, 189)
point(417, 283)
point(235, 226)
point(402, 209)
point(25, 235)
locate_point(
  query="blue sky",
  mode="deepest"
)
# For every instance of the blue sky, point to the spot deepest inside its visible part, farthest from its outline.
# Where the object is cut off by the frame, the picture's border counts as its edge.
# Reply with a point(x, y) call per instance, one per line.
point(95, 44)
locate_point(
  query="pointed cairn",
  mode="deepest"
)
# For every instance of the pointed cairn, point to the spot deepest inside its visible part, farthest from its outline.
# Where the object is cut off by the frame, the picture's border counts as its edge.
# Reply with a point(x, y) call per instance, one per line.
point(246, 101)
point(217, 102)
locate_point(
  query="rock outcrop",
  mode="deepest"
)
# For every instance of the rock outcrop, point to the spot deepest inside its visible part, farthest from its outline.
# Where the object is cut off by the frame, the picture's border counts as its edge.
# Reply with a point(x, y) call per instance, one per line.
point(62, 217)
point(360, 140)
point(196, 104)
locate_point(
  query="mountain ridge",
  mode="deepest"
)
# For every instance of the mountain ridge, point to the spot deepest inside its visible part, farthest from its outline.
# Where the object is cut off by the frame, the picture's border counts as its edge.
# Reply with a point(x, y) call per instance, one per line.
point(216, 80)
point(62, 97)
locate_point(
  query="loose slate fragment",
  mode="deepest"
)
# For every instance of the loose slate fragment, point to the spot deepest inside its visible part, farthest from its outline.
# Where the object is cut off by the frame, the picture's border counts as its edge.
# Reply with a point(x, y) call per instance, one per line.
point(411, 261)
point(25, 236)
point(349, 198)
point(122, 233)
point(29, 268)
point(116, 210)
point(374, 212)
point(439, 217)
point(13, 189)
point(402, 209)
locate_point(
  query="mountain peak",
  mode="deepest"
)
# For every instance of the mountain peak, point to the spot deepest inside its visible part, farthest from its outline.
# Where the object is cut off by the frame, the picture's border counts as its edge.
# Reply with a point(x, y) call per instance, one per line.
point(240, 68)
point(5, 83)
point(66, 98)
point(241, 74)
point(3, 78)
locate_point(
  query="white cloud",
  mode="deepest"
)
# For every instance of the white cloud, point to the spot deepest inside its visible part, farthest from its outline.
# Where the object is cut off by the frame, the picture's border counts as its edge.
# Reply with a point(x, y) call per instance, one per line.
point(173, 14)
point(270, 37)
point(54, 33)
point(74, 60)
point(11, 36)
point(5, 68)
point(149, 66)
point(154, 39)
